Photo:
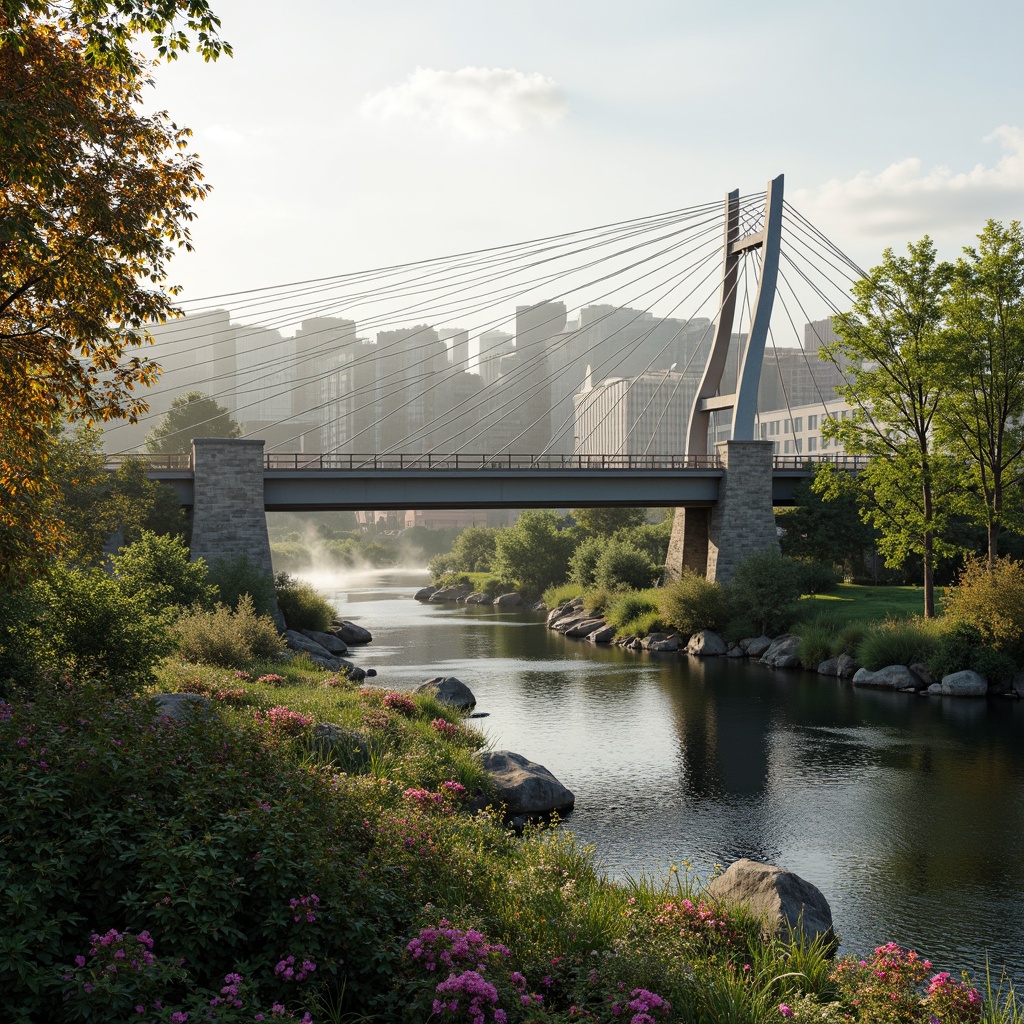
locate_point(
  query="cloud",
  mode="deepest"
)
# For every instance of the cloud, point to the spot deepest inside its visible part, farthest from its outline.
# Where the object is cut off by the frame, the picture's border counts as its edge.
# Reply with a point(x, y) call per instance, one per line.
point(478, 103)
point(223, 135)
point(905, 198)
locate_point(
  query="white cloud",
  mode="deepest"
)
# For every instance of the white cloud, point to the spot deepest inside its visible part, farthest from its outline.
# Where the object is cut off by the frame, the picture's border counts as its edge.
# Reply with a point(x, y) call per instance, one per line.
point(223, 135)
point(479, 103)
point(905, 198)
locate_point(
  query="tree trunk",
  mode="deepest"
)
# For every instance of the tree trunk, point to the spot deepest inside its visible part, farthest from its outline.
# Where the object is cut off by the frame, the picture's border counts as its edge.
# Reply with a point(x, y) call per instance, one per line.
point(929, 553)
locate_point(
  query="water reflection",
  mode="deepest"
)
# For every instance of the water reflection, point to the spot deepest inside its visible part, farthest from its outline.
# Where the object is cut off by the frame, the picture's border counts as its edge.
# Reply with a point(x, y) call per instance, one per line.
point(906, 811)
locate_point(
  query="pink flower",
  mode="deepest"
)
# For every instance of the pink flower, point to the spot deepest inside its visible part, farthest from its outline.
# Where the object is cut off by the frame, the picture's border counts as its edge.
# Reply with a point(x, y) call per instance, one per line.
point(786, 1011)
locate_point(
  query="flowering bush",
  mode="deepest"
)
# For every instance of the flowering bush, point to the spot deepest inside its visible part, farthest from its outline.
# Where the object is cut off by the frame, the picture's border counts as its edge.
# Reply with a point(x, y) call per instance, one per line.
point(400, 702)
point(272, 679)
point(283, 722)
point(444, 727)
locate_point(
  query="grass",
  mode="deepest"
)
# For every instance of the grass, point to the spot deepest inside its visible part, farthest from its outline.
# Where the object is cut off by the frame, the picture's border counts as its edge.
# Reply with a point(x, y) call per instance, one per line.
point(854, 603)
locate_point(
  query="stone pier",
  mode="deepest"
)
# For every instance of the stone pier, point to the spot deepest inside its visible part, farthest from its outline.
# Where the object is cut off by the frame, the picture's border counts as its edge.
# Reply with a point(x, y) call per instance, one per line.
point(715, 540)
point(228, 517)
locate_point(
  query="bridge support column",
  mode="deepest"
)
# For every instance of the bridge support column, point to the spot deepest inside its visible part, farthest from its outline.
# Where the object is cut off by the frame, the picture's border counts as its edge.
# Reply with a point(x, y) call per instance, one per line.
point(228, 516)
point(739, 525)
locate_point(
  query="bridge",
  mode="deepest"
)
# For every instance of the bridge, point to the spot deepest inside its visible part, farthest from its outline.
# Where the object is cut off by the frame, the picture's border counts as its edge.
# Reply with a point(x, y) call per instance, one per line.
point(431, 429)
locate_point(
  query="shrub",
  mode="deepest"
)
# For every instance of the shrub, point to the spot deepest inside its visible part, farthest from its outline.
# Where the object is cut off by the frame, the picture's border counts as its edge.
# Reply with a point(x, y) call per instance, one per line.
point(961, 646)
point(764, 590)
point(555, 596)
point(160, 569)
point(291, 556)
point(635, 614)
point(693, 603)
point(816, 643)
point(817, 577)
point(620, 565)
point(991, 599)
point(583, 563)
point(897, 642)
point(227, 637)
point(848, 639)
point(90, 627)
point(237, 576)
point(301, 605)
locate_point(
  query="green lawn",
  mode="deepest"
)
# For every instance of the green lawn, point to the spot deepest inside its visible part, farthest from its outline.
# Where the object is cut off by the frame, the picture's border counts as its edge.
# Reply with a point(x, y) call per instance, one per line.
point(866, 604)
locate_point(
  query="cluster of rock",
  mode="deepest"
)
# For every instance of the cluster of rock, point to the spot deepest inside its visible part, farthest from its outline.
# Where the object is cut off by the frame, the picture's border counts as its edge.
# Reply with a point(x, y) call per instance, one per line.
point(573, 620)
point(326, 649)
point(464, 593)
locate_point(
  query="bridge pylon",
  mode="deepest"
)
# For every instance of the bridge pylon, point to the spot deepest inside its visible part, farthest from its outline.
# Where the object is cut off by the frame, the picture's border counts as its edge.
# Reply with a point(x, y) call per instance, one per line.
point(712, 540)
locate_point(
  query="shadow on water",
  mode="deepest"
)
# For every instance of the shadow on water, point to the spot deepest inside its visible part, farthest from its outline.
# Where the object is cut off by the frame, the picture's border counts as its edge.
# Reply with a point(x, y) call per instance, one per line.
point(906, 811)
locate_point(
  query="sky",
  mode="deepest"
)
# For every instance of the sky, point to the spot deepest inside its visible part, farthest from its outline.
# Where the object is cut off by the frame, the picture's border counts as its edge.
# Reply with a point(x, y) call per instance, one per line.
point(345, 136)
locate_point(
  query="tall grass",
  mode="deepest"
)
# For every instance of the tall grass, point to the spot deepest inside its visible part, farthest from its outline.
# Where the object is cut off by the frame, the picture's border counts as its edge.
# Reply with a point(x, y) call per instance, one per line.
point(898, 642)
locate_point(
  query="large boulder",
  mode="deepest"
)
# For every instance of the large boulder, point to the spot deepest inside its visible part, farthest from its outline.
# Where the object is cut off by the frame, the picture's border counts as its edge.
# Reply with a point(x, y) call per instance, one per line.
point(329, 641)
point(892, 677)
point(847, 667)
point(316, 652)
point(782, 652)
point(528, 790)
point(755, 646)
point(829, 667)
point(451, 594)
point(669, 644)
point(449, 690)
point(706, 644)
point(786, 902)
point(508, 601)
point(602, 635)
point(425, 593)
point(350, 633)
point(584, 627)
point(961, 684)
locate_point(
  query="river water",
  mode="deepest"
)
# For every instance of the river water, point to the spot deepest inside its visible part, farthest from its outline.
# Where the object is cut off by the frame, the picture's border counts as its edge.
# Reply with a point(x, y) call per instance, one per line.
point(907, 812)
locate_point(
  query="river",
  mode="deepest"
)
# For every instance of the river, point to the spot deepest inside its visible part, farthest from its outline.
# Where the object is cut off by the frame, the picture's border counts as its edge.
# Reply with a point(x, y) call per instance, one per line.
point(906, 811)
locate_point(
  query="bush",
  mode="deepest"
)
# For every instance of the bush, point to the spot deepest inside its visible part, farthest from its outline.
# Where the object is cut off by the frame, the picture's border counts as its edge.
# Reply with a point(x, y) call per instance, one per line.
point(764, 590)
point(693, 603)
point(621, 566)
point(961, 646)
point(89, 626)
point(991, 599)
point(818, 577)
point(816, 644)
point(848, 639)
point(583, 563)
point(227, 637)
point(291, 556)
point(897, 642)
point(160, 569)
point(553, 597)
point(301, 605)
point(237, 576)
point(635, 614)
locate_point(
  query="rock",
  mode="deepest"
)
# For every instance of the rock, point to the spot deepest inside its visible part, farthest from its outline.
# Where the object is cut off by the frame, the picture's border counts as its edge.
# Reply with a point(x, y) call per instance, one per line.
point(782, 652)
point(508, 601)
point(355, 672)
point(451, 594)
point(847, 667)
point(555, 614)
point(538, 606)
point(829, 667)
point(785, 901)
point(346, 745)
point(892, 677)
point(350, 633)
point(652, 638)
point(584, 627)
point(331, 643)
point(425, 593)
point(479, 598)
point(527, 789)
point(315, 652)
point(962, 684)
point(755, 646)
point(449, 690)
point(706, 644)
point(602, 636)
point(735, 652)
point(922, 675)
point(669, 644)
point(182, 707)
point(574, 618)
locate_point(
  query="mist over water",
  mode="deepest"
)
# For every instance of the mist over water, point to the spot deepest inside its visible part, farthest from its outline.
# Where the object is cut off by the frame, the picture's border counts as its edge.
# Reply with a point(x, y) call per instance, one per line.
point(906, 811)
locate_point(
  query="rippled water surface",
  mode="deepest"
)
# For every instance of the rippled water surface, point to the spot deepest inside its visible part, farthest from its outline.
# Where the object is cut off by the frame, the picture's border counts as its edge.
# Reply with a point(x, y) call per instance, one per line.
point(906, 811)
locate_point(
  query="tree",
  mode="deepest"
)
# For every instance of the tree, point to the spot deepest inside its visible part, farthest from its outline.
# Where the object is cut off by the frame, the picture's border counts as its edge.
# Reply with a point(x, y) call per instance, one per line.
point(534, 553)
point(603, 522)
point(95, 197)
point(982, 416)
point(191, 415)
point(893, 341)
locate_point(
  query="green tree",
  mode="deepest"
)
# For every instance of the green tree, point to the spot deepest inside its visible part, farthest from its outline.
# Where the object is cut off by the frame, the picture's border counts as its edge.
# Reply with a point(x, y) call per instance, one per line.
point(191, 415)
point(95, 198)
point(621, 566)
point(603, 522)
point(534, 553)
point(981, 418)
point(160, 569)
point(474, 549)
point(893, 341)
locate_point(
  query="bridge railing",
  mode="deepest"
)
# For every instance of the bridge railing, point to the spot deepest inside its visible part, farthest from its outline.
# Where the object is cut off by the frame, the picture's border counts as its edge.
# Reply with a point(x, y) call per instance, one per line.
point(399, 461)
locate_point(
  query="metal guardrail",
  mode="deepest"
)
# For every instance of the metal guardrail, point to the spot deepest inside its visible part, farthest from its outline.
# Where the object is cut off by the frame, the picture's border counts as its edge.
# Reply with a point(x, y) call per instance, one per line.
point(306, 461)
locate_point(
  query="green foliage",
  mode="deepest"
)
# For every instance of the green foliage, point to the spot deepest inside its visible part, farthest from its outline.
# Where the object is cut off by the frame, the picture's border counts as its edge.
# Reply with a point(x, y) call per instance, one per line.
point(90, 626)
point(301, 605)
point(635, 614)
point(961, 646)
point(622, 566)
point(534, 553)
point(290, 556)
point(604, 522)
point(991, 600)
point(897, 642)
point(651, 538)
point(764, 590)
point(227, 636)
point(583, 564)
point(191, 415)
point(693, 603)
point(236, 577)
point(159, 569)
point(555, 596)
point(816, 645)
point(817, 577)
point(474, 549)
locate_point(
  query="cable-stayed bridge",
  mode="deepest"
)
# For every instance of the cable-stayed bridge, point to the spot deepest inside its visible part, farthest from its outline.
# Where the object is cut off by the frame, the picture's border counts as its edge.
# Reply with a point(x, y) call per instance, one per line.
point(655, 394)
